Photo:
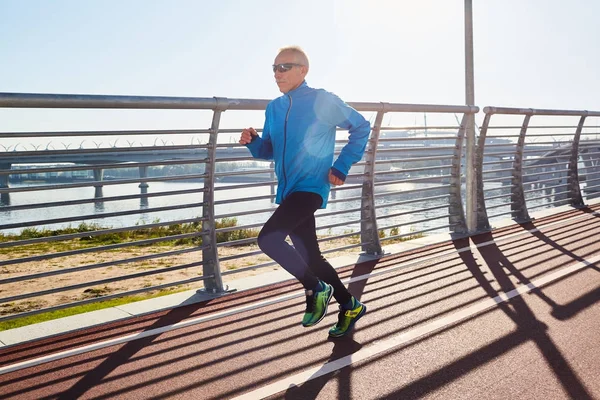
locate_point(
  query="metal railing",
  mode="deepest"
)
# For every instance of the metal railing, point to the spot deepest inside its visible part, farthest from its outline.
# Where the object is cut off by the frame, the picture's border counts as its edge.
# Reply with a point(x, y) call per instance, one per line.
point(93, 221)
point(205, 197)
point(543, 167)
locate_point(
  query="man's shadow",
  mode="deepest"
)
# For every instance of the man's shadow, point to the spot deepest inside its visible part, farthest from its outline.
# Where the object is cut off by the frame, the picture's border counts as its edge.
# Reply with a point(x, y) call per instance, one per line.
point(342, 347)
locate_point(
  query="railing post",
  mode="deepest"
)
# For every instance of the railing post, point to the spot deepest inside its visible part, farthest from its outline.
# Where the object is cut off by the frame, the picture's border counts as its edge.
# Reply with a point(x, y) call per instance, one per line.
point(517, 197)
point(368, 227)
point(3, 177)
point(5, 197)
point(210, 256)
point(455, 206)
point(574, 188)
point(483, 222)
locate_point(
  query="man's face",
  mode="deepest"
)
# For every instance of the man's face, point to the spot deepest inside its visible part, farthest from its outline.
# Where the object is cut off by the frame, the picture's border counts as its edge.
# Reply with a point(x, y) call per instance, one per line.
point(293, 78)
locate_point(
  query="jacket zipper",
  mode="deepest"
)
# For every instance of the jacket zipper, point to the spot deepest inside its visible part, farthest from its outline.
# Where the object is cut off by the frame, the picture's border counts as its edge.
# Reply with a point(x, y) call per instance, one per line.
point(284, 145)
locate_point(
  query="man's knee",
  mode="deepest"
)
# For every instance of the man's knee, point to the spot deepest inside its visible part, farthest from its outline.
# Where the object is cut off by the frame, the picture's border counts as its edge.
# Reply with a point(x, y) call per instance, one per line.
point(267, 241)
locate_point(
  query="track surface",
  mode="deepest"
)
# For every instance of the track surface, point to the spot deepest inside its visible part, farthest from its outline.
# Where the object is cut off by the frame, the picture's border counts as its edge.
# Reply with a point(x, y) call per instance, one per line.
point(508, 314)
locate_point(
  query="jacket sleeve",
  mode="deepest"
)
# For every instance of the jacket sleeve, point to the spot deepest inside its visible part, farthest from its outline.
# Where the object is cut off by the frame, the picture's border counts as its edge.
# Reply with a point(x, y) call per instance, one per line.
point(261, 146)
point(358, 127)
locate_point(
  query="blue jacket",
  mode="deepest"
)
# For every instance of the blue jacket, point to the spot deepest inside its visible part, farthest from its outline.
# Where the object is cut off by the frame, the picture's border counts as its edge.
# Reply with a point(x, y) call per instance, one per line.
point(299, 135)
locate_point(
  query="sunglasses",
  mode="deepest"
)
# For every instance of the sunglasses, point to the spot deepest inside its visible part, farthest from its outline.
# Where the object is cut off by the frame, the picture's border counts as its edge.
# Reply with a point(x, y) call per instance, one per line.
point(285, 67)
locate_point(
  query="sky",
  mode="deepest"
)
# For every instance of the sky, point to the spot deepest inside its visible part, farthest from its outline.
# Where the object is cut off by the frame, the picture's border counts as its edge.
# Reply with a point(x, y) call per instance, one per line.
point(527, 53)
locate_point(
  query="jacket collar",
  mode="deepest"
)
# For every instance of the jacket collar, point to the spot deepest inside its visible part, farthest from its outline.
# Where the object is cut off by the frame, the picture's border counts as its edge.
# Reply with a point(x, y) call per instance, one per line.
point(299, 90)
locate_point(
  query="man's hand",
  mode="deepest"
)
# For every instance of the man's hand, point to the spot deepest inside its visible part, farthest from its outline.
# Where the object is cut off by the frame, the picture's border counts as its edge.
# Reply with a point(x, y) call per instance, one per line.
point(334, 180)
point(247, 135)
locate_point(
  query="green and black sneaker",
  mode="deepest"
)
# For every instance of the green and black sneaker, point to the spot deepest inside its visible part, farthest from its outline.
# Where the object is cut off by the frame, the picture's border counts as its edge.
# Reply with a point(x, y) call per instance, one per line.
point(347, 319)
point(316, 305)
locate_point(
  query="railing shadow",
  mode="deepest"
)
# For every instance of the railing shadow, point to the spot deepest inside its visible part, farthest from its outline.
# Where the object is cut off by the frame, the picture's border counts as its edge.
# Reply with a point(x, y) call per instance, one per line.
point(265, 329)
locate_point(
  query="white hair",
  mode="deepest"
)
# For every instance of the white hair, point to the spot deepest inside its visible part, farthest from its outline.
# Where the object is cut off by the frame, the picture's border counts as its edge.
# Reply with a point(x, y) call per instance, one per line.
point(298, 51)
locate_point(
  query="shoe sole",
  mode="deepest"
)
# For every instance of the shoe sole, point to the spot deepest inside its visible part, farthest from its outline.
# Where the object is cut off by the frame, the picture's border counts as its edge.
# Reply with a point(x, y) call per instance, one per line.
point(325, 313)
point(359, 316)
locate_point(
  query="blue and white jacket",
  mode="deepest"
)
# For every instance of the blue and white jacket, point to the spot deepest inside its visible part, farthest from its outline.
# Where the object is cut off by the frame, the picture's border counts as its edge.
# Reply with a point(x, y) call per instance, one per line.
point(299, 135)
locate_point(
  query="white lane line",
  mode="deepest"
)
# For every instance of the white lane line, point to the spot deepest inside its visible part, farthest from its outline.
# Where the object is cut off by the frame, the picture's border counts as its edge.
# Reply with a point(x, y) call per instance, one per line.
point(409, 336)
point(124, 339)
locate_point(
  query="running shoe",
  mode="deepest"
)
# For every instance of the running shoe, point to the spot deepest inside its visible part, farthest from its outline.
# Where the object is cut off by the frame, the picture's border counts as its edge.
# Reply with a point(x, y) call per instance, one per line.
point(316, 305)
point(347, 319)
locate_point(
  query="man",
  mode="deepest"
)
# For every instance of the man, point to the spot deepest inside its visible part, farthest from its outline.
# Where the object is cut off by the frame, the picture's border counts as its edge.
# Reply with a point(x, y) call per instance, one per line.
point(299, 135)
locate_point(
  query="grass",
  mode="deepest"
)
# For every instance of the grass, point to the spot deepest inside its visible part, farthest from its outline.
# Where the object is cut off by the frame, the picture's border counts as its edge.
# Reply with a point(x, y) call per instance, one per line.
point(51, 315)
point(138, 233)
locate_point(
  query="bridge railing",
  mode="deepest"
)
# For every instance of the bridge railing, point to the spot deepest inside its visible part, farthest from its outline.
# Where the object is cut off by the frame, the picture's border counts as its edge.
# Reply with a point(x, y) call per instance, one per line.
point(534, 158)
point(114, 213)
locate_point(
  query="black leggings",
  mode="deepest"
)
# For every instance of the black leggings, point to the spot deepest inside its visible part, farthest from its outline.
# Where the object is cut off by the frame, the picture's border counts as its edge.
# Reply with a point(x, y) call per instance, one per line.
point(295, 218)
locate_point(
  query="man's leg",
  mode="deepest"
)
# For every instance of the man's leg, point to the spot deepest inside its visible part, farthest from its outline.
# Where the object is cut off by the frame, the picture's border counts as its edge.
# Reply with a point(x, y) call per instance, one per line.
point(304, 237)
point(292, 212)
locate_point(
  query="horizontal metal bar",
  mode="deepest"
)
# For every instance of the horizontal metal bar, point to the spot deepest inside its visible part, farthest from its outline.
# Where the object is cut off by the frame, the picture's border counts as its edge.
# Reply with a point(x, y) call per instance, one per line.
point(533, 127)
point(87, 250)
point(413, 211)
point(499, 215)
point(529, 134)
point(489, 145)
point(500, 179)
point(98, 216)
point(91, 167)
point(377, 195)
point(347, 199)
point(246, 185)
point(96, 200)
point(237, 159)
point(499, 205)
point(497, 162)
point(102, 183)
point(104, 133)
point(101, 281)
point(491, 171)
point(244, 199)
point(416, 128)
point(498, 188)
point(405, 160)
point(562, 173)
point(546, 188)
point(413, 222)
point(551, 165)
point(545, 180)
point(591, 180)
point(192, 151)
point(552, 202)
point(435, 228)
point(38, 100)
point(409, 170)
point(246, 212)
point(528, 200)
point(400, 203)
point(537, 111)
point(356, 221)
point(433, 179)
point(419, 148)
point(238, 173)
point(496, 197)
point(94, 233)
point(412, 138)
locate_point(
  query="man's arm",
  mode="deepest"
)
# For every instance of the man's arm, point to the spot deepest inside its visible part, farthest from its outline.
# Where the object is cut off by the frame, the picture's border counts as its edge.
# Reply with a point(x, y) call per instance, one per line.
point(260, 147)
point(358, 127)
